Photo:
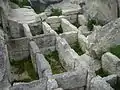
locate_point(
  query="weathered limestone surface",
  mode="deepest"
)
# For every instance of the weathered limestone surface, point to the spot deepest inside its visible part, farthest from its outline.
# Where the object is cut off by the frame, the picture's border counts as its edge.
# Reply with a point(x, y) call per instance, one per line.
point(83, 42)
point(70, 37)
point(42, 16)
point(66, 54)
point(54, 22)
point(84, 30)
point(27, 31)
point(20, 16)
point(34, 85)
point(90, 63)
point(82, 20)
point(105, 38)
point(111, 79)
point(18, 49)
point(67, 26)
point(111, 63)
point(58, 89)
point(71, 80)
point(101, 10)
point(4, 9)
point(53, 19)
point(97, 83)
point(43, 66)
point(33, 51)
point(52, 84)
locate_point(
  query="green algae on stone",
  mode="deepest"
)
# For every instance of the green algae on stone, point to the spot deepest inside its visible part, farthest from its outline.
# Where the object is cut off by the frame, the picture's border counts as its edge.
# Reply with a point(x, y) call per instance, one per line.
point(54, 62)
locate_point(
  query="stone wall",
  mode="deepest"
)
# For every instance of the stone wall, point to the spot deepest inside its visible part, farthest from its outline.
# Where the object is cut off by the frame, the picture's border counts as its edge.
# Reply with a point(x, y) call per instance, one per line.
point(46, 43)
point(54, 22)
point(18, 49)
point(4, 64)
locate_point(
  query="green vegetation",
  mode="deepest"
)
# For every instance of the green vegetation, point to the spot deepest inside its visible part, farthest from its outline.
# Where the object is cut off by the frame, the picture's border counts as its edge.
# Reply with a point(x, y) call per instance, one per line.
point(54, 62)
point(56, 12)
point(21, 3)
point(102, 73)
point(115, 50)
point(92, 22)
point(77, 48)
point(22, 66)
point(60, 30)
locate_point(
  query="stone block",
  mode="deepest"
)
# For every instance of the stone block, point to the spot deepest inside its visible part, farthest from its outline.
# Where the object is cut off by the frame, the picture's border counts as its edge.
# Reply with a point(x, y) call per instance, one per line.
point(42, 16)
point(70, 37)
point(83, 42)
point(43, 66)
point(34, 85)
point(111, 79)
point(67, 26)
point(53, 19)
point(33, 51)
point(71, 11)
point(70, 80)
point(27, 31)
point(98, 83)
point(52, 84)
point(84, 30)
point(82, 20)
point(111, 63)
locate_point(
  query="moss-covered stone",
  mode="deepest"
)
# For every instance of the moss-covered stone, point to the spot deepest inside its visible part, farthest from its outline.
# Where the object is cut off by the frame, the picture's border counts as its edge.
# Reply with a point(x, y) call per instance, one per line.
point(54, 62)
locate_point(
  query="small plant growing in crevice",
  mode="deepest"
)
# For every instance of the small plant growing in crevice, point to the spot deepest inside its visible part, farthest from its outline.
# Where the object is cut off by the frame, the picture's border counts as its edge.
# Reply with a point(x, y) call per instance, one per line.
point(92, 22)
point(102, 73)
point(115, 50)
point(60, 30)
point(56, 12)
point(54, 62)
point(77, 48)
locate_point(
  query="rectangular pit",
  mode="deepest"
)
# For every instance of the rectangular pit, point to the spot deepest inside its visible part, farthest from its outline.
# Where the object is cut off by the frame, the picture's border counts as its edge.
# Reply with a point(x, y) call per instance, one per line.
point(22, 71)
point(54, 62)
point(36, 28)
